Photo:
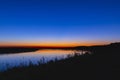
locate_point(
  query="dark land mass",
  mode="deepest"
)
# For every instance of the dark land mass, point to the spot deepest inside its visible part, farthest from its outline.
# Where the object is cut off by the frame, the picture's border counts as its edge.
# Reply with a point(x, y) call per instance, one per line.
point(11, 50)
point(103, 63)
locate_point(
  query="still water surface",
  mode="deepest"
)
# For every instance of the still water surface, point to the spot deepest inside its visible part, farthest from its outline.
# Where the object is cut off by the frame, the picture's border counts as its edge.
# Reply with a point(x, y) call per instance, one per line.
point(12, 60)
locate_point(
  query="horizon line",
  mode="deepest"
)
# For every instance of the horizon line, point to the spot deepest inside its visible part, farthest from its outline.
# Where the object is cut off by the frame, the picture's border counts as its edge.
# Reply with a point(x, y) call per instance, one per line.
point(38, 46)
point(54, 45)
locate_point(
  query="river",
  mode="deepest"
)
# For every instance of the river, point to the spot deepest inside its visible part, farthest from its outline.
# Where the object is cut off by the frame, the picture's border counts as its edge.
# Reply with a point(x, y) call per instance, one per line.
point(8, 61)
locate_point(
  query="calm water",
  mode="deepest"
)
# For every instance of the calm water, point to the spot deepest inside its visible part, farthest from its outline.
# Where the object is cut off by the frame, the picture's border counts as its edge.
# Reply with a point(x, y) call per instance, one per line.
point(11, 60)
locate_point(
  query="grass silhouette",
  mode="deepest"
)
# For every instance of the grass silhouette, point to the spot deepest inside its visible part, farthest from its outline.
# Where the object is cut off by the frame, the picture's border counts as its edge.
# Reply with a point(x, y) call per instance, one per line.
point(103, 63)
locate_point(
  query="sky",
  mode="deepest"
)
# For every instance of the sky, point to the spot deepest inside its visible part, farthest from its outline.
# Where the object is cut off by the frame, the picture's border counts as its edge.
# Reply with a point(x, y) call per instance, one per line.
point(59, 22)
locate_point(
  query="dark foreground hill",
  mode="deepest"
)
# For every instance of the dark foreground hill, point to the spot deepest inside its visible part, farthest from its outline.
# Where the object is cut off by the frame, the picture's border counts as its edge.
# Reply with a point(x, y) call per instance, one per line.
point(102, 64)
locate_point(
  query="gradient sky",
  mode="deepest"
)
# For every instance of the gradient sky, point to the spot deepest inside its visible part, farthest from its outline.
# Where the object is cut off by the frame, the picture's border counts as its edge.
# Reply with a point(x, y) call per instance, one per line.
point(63, 22)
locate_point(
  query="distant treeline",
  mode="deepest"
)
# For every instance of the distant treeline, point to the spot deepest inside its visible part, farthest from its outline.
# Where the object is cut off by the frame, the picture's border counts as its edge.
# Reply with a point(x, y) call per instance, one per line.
point(7, 50)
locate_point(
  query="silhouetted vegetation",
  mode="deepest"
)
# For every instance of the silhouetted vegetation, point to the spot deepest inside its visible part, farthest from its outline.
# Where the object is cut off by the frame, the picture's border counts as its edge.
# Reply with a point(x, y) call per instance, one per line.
point(102, 64)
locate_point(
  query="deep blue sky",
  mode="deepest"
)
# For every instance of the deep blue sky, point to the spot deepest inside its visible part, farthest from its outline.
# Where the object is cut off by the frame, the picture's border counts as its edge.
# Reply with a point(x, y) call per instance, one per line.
point(44, 21)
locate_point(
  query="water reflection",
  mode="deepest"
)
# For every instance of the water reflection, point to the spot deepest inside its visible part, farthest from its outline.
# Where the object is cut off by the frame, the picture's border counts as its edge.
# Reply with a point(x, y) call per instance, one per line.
point(11, 60)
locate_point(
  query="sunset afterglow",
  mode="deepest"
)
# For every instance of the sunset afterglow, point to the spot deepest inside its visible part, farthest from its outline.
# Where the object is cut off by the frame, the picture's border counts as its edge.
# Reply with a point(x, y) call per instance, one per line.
point(58, 44)
point(59, 23)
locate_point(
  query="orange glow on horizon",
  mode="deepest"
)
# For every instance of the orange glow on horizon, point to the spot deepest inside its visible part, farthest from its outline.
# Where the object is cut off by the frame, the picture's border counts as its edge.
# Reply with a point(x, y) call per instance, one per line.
point(58, 44)
point(48, 51)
